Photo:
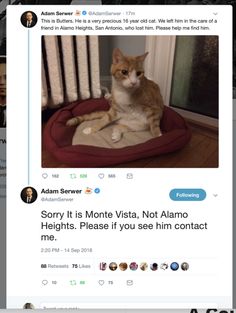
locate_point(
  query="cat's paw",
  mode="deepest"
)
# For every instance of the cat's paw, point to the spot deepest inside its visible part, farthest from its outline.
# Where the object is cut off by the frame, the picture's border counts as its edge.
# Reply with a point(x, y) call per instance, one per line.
point(156, 132)
point(116, 136)
point(87, 130)
point(107, 96)
point(72, 122)
point(156, 135)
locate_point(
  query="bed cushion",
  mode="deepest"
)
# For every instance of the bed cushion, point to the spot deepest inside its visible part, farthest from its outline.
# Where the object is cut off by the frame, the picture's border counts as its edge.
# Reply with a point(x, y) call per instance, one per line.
point(71, 147)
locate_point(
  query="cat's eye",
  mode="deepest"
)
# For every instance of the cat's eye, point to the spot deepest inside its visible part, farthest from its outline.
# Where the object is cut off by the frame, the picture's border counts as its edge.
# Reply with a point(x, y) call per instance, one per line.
point(124, 72)
point(139, 73)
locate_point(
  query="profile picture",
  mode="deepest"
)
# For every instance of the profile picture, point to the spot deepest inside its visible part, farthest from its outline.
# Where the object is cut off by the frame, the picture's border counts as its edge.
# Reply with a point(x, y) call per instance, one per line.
point(154, 266)
point(184, 266)
point(113, 266)
point(143, 266)
point(164, 266)
point(29, 19)
point(174, 266)
point(103, 266)
point(123, 266)
point(28, 306)
point(29, 195)
point(133, 266)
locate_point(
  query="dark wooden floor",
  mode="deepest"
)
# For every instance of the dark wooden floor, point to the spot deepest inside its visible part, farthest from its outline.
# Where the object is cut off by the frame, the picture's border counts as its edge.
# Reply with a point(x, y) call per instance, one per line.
point(201, 151)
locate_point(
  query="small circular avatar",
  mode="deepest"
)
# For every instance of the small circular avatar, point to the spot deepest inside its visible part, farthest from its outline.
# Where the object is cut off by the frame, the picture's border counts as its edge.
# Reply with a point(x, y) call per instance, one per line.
point(174, 266)
point(28, 306)
point(164, 266)
point(123, 266)
point(29, 19)
point(184, 266)
point(154, 266)
point(29, 195)
point(133, 266)
point(103, 266)
point(113, 266)
point(143, 266)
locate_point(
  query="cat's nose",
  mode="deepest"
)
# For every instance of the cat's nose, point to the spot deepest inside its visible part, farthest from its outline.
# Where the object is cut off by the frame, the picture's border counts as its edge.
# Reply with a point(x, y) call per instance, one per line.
point(133, 83)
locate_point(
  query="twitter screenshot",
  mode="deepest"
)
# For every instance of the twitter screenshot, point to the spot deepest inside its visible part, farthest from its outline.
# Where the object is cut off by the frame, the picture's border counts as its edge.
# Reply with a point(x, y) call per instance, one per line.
point(119, 157)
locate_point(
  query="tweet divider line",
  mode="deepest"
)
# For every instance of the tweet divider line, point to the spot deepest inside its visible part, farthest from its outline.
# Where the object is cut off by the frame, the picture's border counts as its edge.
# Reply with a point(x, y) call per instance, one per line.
point(28, 115)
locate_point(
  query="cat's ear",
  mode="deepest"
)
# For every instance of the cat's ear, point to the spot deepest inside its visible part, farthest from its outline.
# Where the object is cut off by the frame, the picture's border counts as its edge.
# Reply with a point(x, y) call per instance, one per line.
point(141, 58)
point(117, 56)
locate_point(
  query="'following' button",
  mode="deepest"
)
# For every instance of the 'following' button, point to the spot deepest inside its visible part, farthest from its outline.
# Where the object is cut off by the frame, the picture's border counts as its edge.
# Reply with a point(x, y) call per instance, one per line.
point(185, 194)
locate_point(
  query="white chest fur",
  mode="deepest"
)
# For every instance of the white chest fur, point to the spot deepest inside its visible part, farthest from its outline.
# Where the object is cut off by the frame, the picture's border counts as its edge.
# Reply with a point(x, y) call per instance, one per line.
point(129, 114)
point(122, 98)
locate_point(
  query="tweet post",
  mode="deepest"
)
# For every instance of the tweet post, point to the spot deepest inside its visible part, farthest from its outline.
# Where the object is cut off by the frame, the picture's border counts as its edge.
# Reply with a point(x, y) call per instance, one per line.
point(119, 157)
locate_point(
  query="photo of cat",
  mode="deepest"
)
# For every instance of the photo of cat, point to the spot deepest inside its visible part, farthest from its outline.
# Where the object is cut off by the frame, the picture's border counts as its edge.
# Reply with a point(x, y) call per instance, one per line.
point(136, 102)
point(102, 96)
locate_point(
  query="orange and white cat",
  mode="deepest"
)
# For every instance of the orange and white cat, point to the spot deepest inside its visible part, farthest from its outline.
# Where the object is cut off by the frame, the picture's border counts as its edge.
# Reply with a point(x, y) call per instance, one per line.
point(136, 102)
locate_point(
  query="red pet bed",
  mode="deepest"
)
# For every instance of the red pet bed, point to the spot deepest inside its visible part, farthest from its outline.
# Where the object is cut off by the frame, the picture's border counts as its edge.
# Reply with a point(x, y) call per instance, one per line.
point(57, 138)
